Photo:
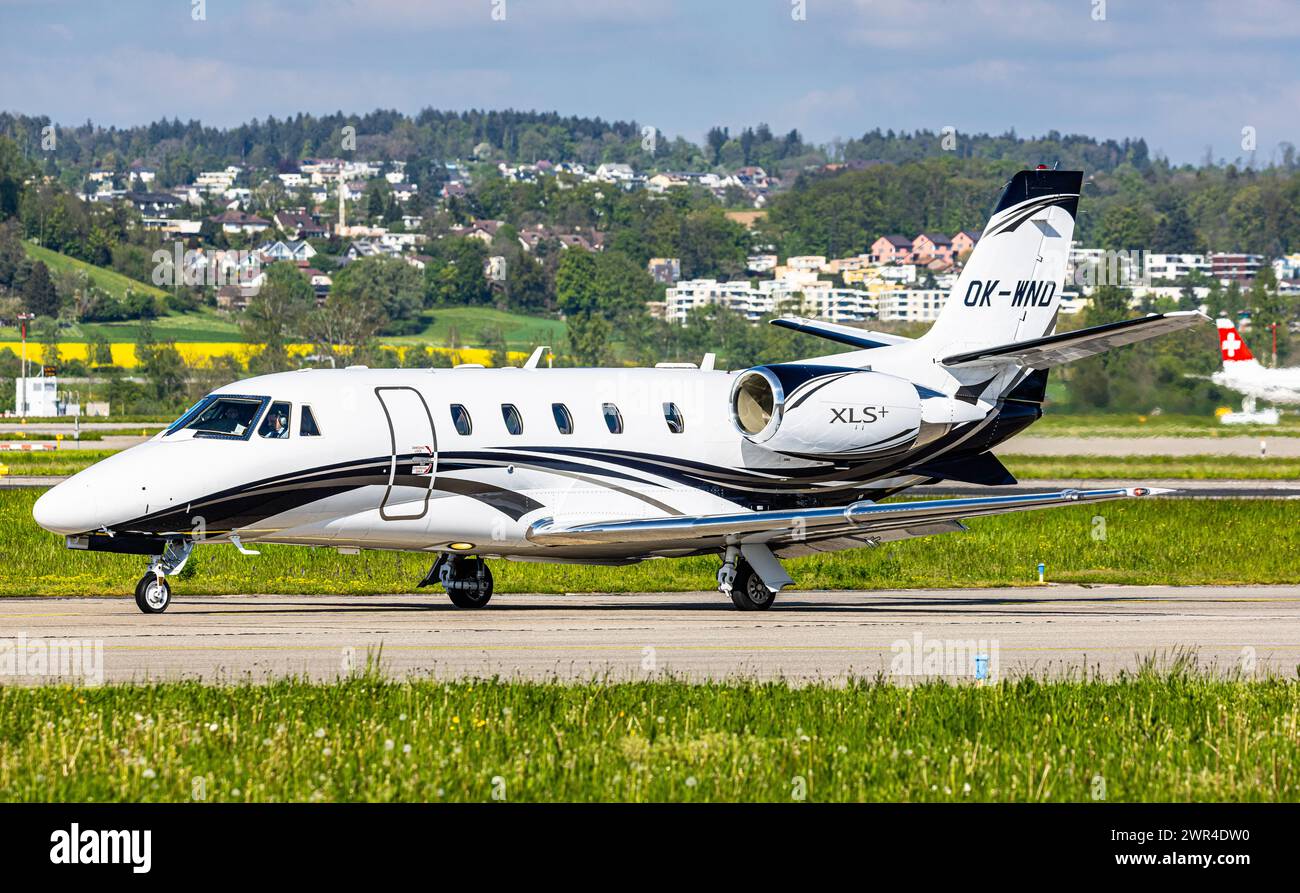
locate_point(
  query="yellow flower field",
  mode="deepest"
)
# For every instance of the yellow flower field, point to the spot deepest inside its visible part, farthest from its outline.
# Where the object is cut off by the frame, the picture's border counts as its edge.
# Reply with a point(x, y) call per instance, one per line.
point(202, 352)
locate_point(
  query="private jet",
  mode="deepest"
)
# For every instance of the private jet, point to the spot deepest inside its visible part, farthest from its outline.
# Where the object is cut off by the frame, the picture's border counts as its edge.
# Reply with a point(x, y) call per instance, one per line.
point(616, 466)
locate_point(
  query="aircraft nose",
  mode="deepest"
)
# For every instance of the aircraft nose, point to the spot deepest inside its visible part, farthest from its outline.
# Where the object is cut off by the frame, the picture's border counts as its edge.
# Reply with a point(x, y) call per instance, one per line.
point(69, 507)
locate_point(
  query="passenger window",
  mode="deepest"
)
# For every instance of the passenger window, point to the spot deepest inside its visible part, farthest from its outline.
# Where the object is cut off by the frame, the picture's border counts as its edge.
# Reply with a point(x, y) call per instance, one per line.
point(276, 423)
point(673, 416)
point(460, 418)
point(563, 418)
point(307, 424)
point(613, 418)
point(514, 422)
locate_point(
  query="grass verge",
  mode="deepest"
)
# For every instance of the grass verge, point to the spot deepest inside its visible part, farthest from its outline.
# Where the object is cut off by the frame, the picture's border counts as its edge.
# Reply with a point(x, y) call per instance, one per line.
point(1136, 468)
point(1172, 736)
point(1178, 542)
point(1165, 425)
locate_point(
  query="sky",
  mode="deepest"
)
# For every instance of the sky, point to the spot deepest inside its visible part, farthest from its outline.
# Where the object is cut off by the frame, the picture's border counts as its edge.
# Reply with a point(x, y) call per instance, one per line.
point(1187, 75)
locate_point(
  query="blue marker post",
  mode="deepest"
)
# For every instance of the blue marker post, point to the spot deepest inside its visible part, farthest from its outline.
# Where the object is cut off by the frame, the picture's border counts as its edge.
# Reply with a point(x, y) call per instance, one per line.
point(981, 668)
point(1042, 571)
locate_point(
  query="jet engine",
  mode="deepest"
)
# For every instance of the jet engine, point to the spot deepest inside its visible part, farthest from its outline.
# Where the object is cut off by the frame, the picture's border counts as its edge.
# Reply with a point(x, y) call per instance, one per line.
point(832, 412)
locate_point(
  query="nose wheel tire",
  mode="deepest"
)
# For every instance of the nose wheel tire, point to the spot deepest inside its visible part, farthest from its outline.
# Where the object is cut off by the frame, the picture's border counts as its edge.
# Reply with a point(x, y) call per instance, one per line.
point(749, 592)
point(152, 594)
point(471, 584)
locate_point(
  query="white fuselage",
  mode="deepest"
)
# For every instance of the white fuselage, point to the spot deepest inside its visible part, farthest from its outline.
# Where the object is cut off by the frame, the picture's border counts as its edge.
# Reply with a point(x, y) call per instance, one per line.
point(1260, 382)
point(345, 488)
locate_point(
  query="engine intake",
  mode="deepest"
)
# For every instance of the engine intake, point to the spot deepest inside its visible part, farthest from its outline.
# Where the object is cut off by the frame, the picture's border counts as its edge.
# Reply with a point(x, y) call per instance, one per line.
point(836, 412)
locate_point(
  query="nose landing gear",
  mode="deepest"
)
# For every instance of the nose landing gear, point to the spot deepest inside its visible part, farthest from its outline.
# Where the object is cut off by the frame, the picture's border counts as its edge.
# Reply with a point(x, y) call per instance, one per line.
point(467, 579)
point(152, 594)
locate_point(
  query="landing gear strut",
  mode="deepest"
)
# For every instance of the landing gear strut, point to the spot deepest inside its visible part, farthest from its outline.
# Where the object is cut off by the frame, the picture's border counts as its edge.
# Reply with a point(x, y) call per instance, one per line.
point(467, 579)
point(152, 594)
point(747, 590)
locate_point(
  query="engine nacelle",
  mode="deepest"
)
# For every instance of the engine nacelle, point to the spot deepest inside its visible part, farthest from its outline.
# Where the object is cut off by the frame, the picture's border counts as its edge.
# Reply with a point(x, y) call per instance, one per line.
point(834, 412)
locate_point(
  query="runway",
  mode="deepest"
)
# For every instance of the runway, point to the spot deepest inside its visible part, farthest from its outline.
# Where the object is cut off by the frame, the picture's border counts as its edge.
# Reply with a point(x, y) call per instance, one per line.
point(808, 636)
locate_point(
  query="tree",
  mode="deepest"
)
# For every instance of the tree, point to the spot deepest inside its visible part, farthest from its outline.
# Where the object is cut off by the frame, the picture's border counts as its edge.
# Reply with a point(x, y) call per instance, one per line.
point(161, 364)
point(275, 315)
point(98, 351)
point(48, 332)
point(455, 277)
point(346, 325)
point(392, 284)
point(39, 292)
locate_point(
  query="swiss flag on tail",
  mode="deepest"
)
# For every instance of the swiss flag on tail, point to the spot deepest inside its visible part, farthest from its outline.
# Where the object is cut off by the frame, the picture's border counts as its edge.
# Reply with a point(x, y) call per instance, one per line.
point(1230, 343)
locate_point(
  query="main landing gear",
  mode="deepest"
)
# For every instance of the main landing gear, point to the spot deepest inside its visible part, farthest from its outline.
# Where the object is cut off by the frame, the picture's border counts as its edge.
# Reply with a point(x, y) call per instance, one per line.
point(152, 594)
point(467, 579)
point(739, 580)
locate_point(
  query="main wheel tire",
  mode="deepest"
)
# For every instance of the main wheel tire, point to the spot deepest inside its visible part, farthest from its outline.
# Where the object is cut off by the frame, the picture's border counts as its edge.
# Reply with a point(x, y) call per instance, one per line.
point(152, 594)
point(476, 572)
point(749, 592)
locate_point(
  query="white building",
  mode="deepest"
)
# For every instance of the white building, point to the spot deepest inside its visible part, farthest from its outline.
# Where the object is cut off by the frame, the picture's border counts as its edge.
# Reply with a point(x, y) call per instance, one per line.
point(39, 396)
point(1175, 266)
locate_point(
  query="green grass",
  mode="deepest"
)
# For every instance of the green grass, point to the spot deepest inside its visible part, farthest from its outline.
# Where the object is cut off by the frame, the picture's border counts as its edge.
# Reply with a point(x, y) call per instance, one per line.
point(203, 325)
point(1179, 542)
point(1152, 736)
point(1165, 425)
point(522, 333)
point(109, 280)
point(1135, 468)
point(55, 462)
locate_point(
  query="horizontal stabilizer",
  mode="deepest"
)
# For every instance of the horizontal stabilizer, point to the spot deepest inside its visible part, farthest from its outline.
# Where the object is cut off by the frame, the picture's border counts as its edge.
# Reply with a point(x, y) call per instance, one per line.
point(1053, 350)
point(871, 520)
point(853, 337)
point(985, 469)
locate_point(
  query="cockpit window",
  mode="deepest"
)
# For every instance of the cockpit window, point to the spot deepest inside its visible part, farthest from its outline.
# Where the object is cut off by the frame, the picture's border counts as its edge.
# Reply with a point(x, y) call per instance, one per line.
point(222, 416)
point(276, 424)
point(307, 426)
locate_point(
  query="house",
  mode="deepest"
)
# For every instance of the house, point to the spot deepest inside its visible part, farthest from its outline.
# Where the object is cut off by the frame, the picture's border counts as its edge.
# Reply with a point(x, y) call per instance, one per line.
point(590, 240)
point(363, 248)
point(294, 251)
point(240, 222)
point(154, 203)
point(142, 174)
point(891, 250)
point(483, 230)
point(615, 173)
point(299, 225)
point(964, 242)
point(453, 189)
point(665, 269)
point(532, 236)
point(1229, 268)
point(928, 247)
point(320, 282)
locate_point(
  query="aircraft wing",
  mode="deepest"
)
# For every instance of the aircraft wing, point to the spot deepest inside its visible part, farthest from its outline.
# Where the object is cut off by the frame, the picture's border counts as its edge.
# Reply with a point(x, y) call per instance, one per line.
point(866, 520)
point(1053, 350)
point(850, 335)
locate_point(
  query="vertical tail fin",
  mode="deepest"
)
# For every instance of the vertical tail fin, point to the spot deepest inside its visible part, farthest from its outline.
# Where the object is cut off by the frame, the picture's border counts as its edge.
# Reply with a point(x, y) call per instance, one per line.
point(1233, 349)
point(1010, 289)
